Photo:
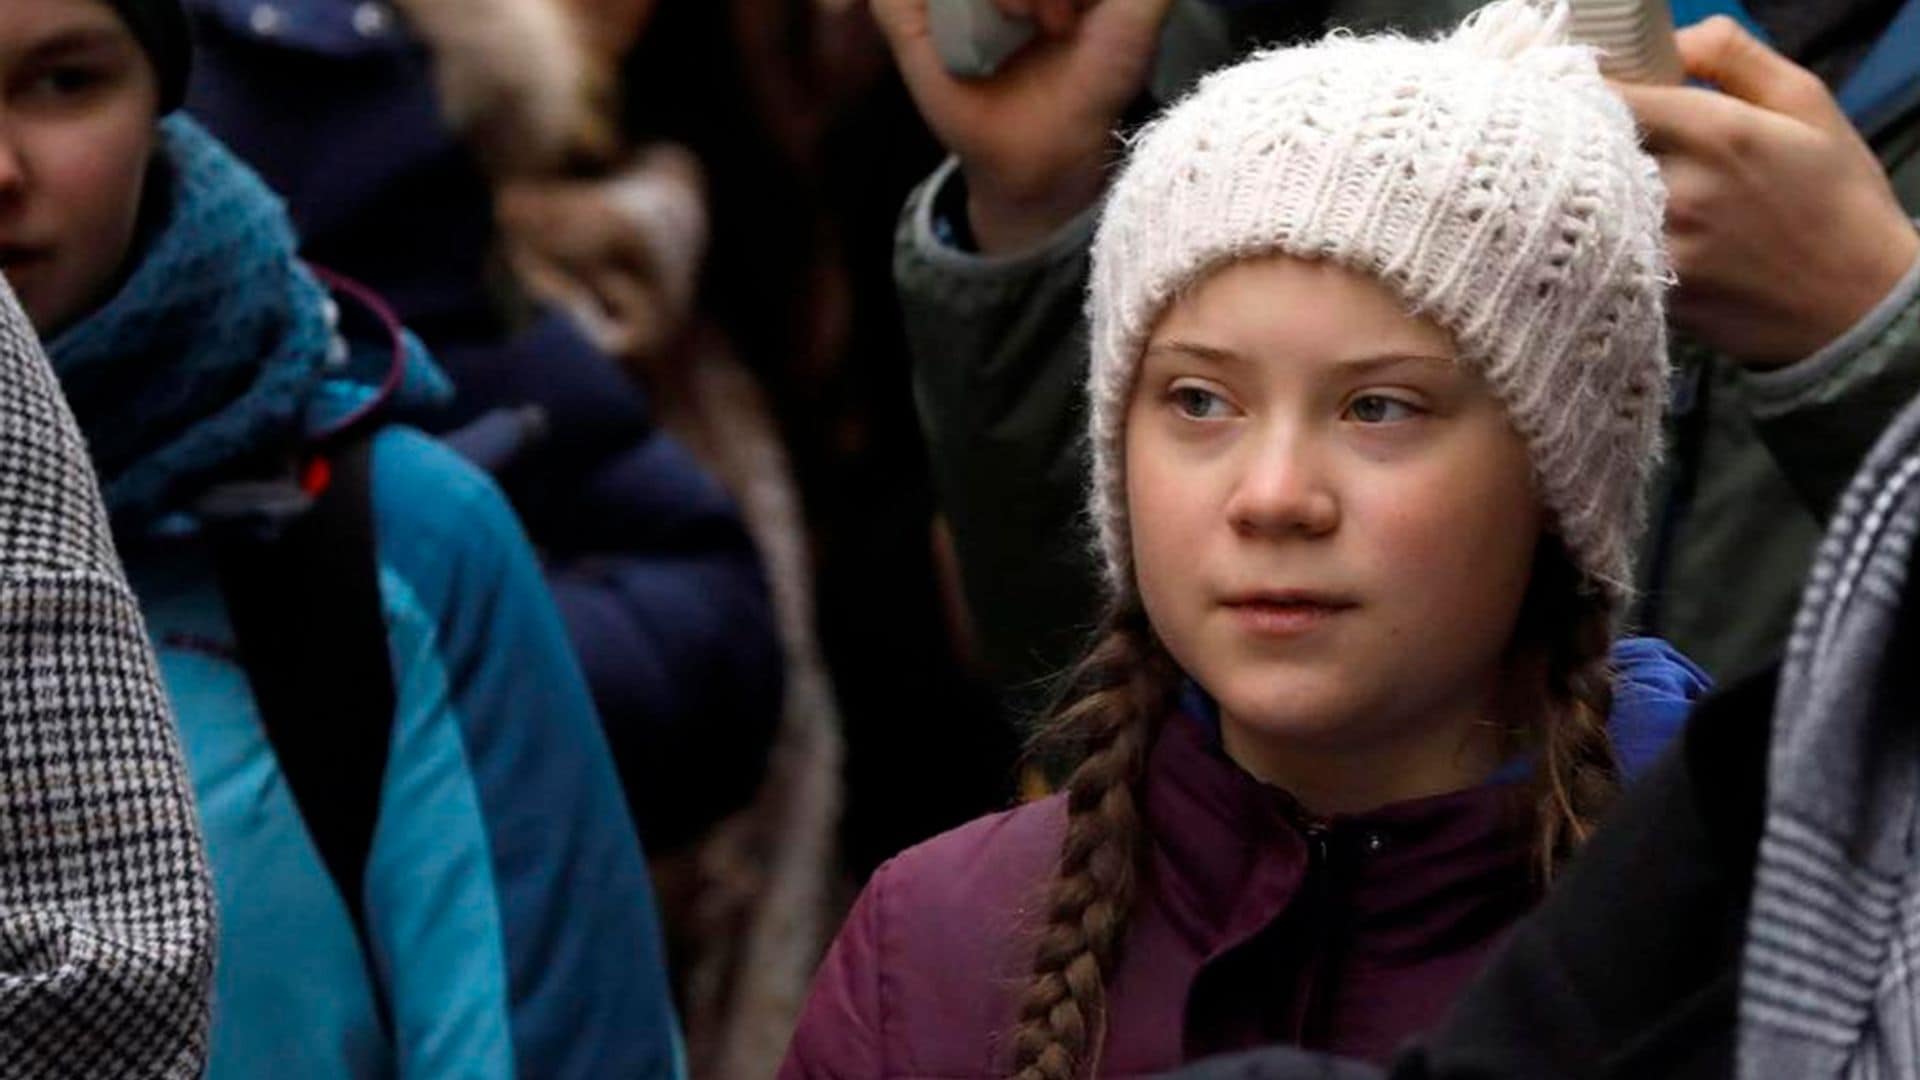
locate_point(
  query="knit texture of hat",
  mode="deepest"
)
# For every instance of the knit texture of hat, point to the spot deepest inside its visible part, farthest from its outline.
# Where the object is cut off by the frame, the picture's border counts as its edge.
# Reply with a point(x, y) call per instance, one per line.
point(1489, 178)
point(160, 26)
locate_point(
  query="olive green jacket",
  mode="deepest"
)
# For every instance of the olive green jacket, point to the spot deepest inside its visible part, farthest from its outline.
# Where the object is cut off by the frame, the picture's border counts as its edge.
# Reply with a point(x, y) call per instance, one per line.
point(1754, 460)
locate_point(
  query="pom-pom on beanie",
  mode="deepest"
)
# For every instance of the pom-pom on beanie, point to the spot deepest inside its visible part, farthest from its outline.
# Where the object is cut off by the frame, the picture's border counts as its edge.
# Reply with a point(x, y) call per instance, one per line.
point(1489, 178)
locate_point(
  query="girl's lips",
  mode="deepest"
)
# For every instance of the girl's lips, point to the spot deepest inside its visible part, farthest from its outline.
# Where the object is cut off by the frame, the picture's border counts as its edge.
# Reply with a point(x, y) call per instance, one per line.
point(1285, 617)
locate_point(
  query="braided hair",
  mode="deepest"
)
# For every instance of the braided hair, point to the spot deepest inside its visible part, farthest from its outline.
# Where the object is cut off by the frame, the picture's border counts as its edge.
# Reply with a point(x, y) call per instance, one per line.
point(1117, 698)
point(1577, 776)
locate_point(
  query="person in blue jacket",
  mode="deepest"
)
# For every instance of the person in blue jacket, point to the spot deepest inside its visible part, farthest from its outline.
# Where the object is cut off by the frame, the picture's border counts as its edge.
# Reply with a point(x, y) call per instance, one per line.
point(346, 108)
point(507, 919)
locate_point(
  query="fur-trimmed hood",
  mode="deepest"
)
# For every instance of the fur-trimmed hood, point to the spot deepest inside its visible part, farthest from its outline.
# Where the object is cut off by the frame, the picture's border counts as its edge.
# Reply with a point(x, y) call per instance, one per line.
point(516, 79)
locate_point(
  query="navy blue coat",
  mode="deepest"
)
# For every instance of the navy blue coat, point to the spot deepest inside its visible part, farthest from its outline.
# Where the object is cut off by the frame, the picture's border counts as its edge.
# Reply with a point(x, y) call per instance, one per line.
point(333, 102)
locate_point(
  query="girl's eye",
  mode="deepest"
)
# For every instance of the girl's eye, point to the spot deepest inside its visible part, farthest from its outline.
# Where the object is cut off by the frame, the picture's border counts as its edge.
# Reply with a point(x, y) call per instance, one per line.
point(64, 82)
point(1380, 409)
point(1195, 403)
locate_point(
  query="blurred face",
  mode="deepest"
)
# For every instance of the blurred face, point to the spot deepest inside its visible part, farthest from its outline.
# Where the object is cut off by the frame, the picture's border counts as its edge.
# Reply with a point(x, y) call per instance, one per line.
point(1333, 529)
point(78, 100)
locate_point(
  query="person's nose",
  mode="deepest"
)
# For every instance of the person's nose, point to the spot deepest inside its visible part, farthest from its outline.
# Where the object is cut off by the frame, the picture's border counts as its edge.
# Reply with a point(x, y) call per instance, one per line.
point(13, 164)
point(1284, 488)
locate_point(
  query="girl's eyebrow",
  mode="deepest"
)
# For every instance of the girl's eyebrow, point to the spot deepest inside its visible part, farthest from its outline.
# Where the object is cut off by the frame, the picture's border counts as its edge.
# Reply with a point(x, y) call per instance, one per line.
point(1362, 363)
point(81, 39)
point(1188, 350)
point(1368, 363)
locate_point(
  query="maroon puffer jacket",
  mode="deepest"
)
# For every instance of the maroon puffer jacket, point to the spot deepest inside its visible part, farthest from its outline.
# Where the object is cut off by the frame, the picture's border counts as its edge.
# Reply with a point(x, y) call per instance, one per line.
point(1255, 926)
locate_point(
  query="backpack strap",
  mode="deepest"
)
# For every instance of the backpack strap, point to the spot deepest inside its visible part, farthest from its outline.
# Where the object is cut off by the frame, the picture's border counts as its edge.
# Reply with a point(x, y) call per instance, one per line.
point(304, 601)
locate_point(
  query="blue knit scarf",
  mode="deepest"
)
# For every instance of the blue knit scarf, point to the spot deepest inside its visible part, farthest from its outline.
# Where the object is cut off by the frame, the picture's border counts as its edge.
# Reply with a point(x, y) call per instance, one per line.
point(212, 348)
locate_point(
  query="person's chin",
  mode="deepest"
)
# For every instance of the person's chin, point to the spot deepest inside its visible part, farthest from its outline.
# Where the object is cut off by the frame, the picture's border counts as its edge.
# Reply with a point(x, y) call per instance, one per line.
point(32, 287)
point(1296, 704)
point(22, 276)
point(53, 311)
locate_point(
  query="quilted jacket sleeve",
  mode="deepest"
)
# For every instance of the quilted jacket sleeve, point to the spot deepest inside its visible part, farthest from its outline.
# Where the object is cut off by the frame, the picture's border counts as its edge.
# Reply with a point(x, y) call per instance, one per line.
point(999, 355)
point(502, 820)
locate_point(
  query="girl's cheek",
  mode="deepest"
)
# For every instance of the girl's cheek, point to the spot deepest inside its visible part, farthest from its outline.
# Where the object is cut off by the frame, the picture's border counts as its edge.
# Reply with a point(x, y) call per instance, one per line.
point(1432, 527)
point(101, 175)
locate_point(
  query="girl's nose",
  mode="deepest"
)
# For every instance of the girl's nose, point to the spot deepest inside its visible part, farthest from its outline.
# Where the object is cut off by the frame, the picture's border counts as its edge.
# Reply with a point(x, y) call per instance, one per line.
point(1283, 489)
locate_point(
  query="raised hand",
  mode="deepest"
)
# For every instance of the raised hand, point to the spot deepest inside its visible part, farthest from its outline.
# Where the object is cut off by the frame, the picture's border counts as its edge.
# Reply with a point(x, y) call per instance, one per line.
point(1783, 227)
point(1035, 140)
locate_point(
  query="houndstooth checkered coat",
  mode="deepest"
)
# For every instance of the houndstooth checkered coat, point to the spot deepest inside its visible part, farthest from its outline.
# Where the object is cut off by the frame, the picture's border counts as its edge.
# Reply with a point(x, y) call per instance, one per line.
point(106, 911)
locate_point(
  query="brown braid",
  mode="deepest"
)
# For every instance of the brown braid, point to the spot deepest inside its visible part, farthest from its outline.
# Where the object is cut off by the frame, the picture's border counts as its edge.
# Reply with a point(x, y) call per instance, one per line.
point(1115, 702)
point(1579, 776)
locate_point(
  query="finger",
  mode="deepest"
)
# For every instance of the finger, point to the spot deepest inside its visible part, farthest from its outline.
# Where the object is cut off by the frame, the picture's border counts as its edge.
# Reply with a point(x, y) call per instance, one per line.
point(1721, 51)
point(1688, 185)
point(1130, 17)
point(1056, 17)
point(1678, 118)
point(620, 295)
point(897, 17)
point(633, 257)
point(909, 35)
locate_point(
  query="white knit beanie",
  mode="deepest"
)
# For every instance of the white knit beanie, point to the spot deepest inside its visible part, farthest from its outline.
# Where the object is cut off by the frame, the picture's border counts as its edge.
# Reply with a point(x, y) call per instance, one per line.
point(1489, 178)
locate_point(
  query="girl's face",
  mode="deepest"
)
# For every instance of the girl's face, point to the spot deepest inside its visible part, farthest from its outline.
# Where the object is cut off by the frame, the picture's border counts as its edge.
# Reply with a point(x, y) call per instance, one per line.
point(1333, 528)
point(78, 100)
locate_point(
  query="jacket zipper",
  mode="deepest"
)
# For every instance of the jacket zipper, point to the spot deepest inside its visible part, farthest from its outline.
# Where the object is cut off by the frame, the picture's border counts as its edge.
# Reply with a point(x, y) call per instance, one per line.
point(1307, 1026)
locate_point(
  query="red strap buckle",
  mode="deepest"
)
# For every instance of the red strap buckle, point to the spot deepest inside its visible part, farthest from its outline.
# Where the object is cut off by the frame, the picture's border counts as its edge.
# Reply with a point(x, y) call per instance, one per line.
point(316, 476)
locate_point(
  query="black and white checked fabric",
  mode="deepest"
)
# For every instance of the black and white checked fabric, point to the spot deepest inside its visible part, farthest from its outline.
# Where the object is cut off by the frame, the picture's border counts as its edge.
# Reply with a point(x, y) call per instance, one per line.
point(1831, 972)
point(106, 910)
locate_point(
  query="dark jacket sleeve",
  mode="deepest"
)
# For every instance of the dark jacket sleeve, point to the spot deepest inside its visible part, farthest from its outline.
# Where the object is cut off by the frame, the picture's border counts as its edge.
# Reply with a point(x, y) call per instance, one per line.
point(106, 906)
point(1820, 416)
point(656, 578)
point(663, 595)
point(840, 1034)
point(999, 355)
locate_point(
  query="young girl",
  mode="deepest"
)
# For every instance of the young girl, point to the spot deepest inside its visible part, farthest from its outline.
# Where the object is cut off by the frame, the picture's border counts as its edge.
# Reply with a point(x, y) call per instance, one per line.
point(1376, 378)
point(495, 919)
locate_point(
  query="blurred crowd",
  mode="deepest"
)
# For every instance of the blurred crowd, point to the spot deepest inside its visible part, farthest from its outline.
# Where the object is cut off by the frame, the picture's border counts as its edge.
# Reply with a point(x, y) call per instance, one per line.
point(693, 538)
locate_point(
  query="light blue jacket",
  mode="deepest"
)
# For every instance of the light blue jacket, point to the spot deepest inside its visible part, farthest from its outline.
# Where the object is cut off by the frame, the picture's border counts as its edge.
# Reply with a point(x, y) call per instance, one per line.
point(508, 906)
